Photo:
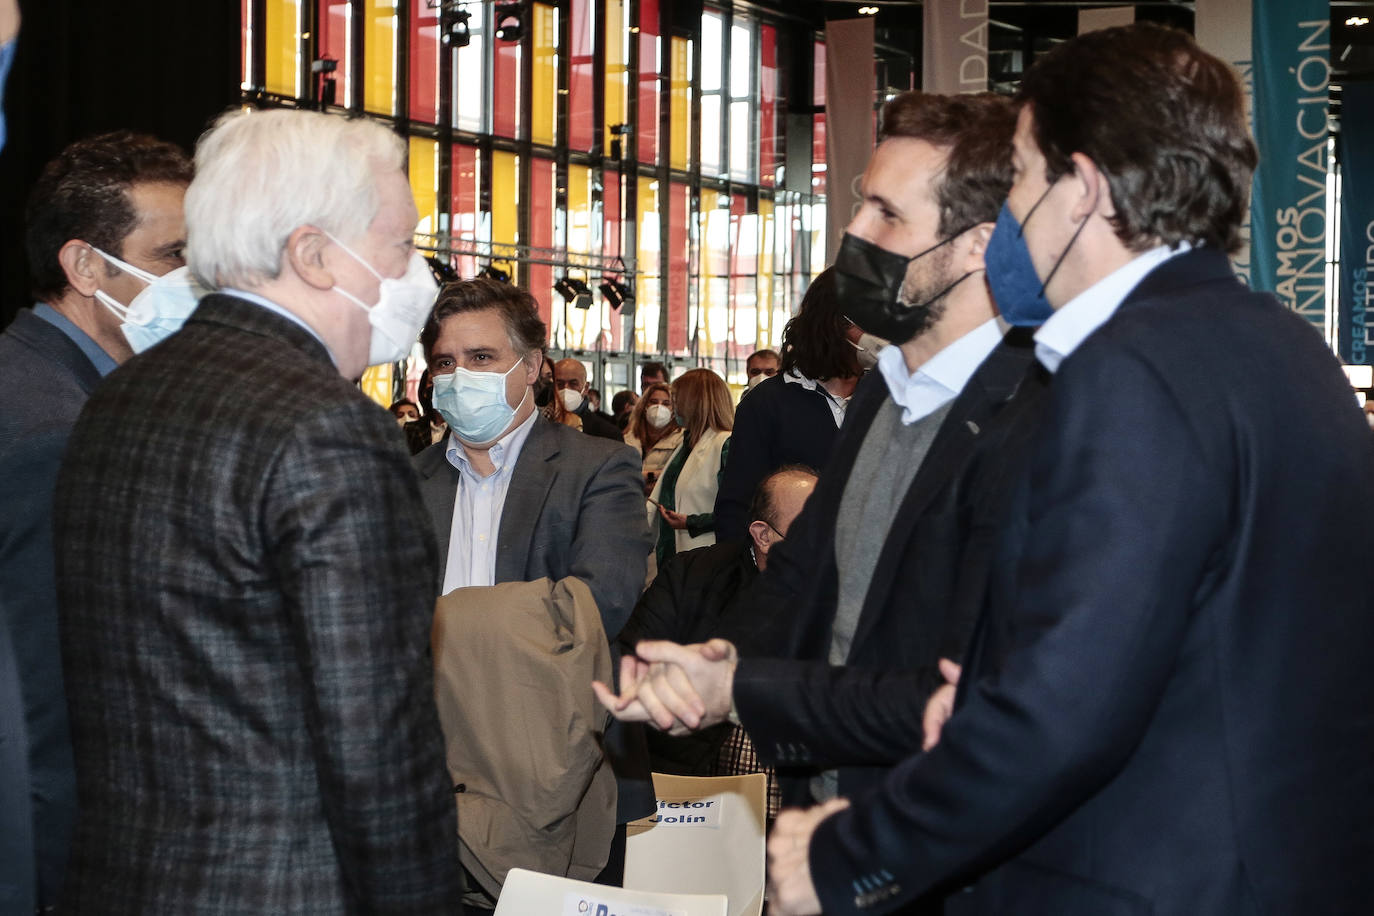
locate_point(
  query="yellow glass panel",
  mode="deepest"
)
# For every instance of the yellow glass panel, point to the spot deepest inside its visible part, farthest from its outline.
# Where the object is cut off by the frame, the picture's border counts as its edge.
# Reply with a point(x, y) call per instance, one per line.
point(765, 310)
point(616, 59)
point(281, 55)
point(579, 209)
point(505, 195)
point(379, 56)
point(680, 111)
point(376, 383)
point(424, 183)
point(544, 82)
point(714, 245)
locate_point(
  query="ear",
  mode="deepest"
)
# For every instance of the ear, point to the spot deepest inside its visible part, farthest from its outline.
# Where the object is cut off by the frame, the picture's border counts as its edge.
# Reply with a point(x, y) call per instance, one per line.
point(1095, 194)
point(305, 253)
point(83, 267)
point(977, 249)
point(761, 534)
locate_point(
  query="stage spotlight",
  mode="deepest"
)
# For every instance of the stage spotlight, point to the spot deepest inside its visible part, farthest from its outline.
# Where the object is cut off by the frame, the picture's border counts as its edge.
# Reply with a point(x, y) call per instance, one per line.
point(615, 292)
point(443, 271)
point(509, 24)
point(495, 273)
point(458, 35)
point(574, 291)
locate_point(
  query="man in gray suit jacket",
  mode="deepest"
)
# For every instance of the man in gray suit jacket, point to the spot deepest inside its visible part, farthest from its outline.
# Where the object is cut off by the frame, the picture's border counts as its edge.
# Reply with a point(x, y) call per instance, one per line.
point(244, 561)
point(120, 194)
point(513, 497)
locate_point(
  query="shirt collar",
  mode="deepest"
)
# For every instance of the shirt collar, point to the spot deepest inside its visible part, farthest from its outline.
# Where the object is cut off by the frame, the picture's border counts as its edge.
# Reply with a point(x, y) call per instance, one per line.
point(282, 311)
point(104, 363)
point(941, 378)
point(504, 452)
point(1069, 326)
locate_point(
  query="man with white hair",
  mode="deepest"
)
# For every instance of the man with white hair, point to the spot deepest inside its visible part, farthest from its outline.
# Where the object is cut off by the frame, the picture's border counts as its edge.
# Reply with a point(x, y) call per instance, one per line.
point(246, 568)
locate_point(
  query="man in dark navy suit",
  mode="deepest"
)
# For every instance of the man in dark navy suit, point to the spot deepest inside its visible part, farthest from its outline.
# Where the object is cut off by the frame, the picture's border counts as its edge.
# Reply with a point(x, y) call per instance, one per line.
point(1166, 707)
point(120, 194)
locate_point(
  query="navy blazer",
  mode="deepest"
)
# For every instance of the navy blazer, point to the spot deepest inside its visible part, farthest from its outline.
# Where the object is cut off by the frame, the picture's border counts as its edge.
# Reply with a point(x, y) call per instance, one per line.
point(925, 595)
point(1166, 708)
point(777, 423)
point(44, 381)
point(244, 573)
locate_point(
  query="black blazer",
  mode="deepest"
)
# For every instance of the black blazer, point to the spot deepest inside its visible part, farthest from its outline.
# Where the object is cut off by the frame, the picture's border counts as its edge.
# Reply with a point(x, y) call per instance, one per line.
point(925, 595)
point(44, 381)
point(1166, 709)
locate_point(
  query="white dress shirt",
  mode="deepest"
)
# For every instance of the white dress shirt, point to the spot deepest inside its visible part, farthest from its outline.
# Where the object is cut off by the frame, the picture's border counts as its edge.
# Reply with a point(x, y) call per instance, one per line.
point(1089, 310)
point(940, 378)
point(477, 508)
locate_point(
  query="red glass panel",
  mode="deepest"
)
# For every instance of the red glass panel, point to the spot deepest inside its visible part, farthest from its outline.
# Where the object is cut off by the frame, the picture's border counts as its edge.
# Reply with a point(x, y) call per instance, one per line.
point(610, 209)
point(334, 44)
point(768, 104)
point(424, 62)
point(581, 128)
point(647, 135)
point(541, 232)
point(679, 202)
point(467, 217)
point(505, 113)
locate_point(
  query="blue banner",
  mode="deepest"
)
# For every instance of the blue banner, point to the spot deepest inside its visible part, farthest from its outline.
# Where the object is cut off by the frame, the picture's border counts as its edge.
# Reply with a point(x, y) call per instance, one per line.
point(1292, 40)
point(1357, 223)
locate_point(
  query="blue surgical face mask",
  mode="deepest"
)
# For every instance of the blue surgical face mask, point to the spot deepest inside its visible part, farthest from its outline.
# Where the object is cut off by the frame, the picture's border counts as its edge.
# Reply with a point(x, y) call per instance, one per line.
point(160, 308)
point(1016, 287)
point(474, 403)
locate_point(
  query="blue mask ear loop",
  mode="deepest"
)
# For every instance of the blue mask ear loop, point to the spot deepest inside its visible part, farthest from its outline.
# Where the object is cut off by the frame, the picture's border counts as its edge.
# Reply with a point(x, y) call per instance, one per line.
point(1021, 232)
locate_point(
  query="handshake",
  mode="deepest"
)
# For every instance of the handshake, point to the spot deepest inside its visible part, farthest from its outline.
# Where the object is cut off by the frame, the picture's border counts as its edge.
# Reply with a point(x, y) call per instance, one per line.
point(679, 689)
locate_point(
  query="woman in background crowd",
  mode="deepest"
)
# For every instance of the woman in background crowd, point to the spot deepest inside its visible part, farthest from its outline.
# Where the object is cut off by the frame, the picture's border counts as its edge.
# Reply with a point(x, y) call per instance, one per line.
point(653, 432)
point(683, 499)
point(795, 416)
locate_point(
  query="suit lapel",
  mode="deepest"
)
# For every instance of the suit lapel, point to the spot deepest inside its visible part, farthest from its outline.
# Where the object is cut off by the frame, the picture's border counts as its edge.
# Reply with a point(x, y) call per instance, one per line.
point(530, 484)
point(992, 384)
point(439, 485)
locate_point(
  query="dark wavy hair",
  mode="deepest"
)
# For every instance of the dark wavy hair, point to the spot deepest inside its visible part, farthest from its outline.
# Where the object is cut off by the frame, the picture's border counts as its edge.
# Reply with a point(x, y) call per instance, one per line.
point(1162, 119)
point(813, 341)
point(519, 312)
point(84, 194)
point(977, 130)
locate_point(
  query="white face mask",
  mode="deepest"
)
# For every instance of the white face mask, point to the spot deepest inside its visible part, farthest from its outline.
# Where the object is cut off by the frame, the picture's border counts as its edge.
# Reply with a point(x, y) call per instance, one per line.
point(571, 399)
point(658, 415)
point(869, 346)
point(159, 310)
point(401, 310)
point(756, 380)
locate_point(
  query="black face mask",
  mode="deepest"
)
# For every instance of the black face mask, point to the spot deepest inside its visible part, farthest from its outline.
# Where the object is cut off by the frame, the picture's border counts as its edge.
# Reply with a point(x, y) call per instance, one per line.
point(543, 393)
point(868, 281)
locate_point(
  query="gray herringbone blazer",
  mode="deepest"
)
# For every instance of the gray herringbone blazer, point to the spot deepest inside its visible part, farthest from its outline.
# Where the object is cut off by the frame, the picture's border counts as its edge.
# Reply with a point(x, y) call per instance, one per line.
point(245, 574)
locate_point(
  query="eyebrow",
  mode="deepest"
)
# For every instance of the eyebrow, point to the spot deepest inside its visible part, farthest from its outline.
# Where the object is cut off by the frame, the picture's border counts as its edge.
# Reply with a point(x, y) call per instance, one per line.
point(883, 202)
point(164, 251)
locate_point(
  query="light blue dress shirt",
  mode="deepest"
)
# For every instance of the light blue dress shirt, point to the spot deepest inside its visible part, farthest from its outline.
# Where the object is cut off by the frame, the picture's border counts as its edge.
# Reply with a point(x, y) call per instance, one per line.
point(104, 363)
point(1089, 310)
point(477, 508)
point(940, 378)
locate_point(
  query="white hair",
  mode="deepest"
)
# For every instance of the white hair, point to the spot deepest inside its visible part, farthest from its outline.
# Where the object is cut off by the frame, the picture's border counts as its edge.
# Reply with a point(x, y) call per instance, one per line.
point(260, 175)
